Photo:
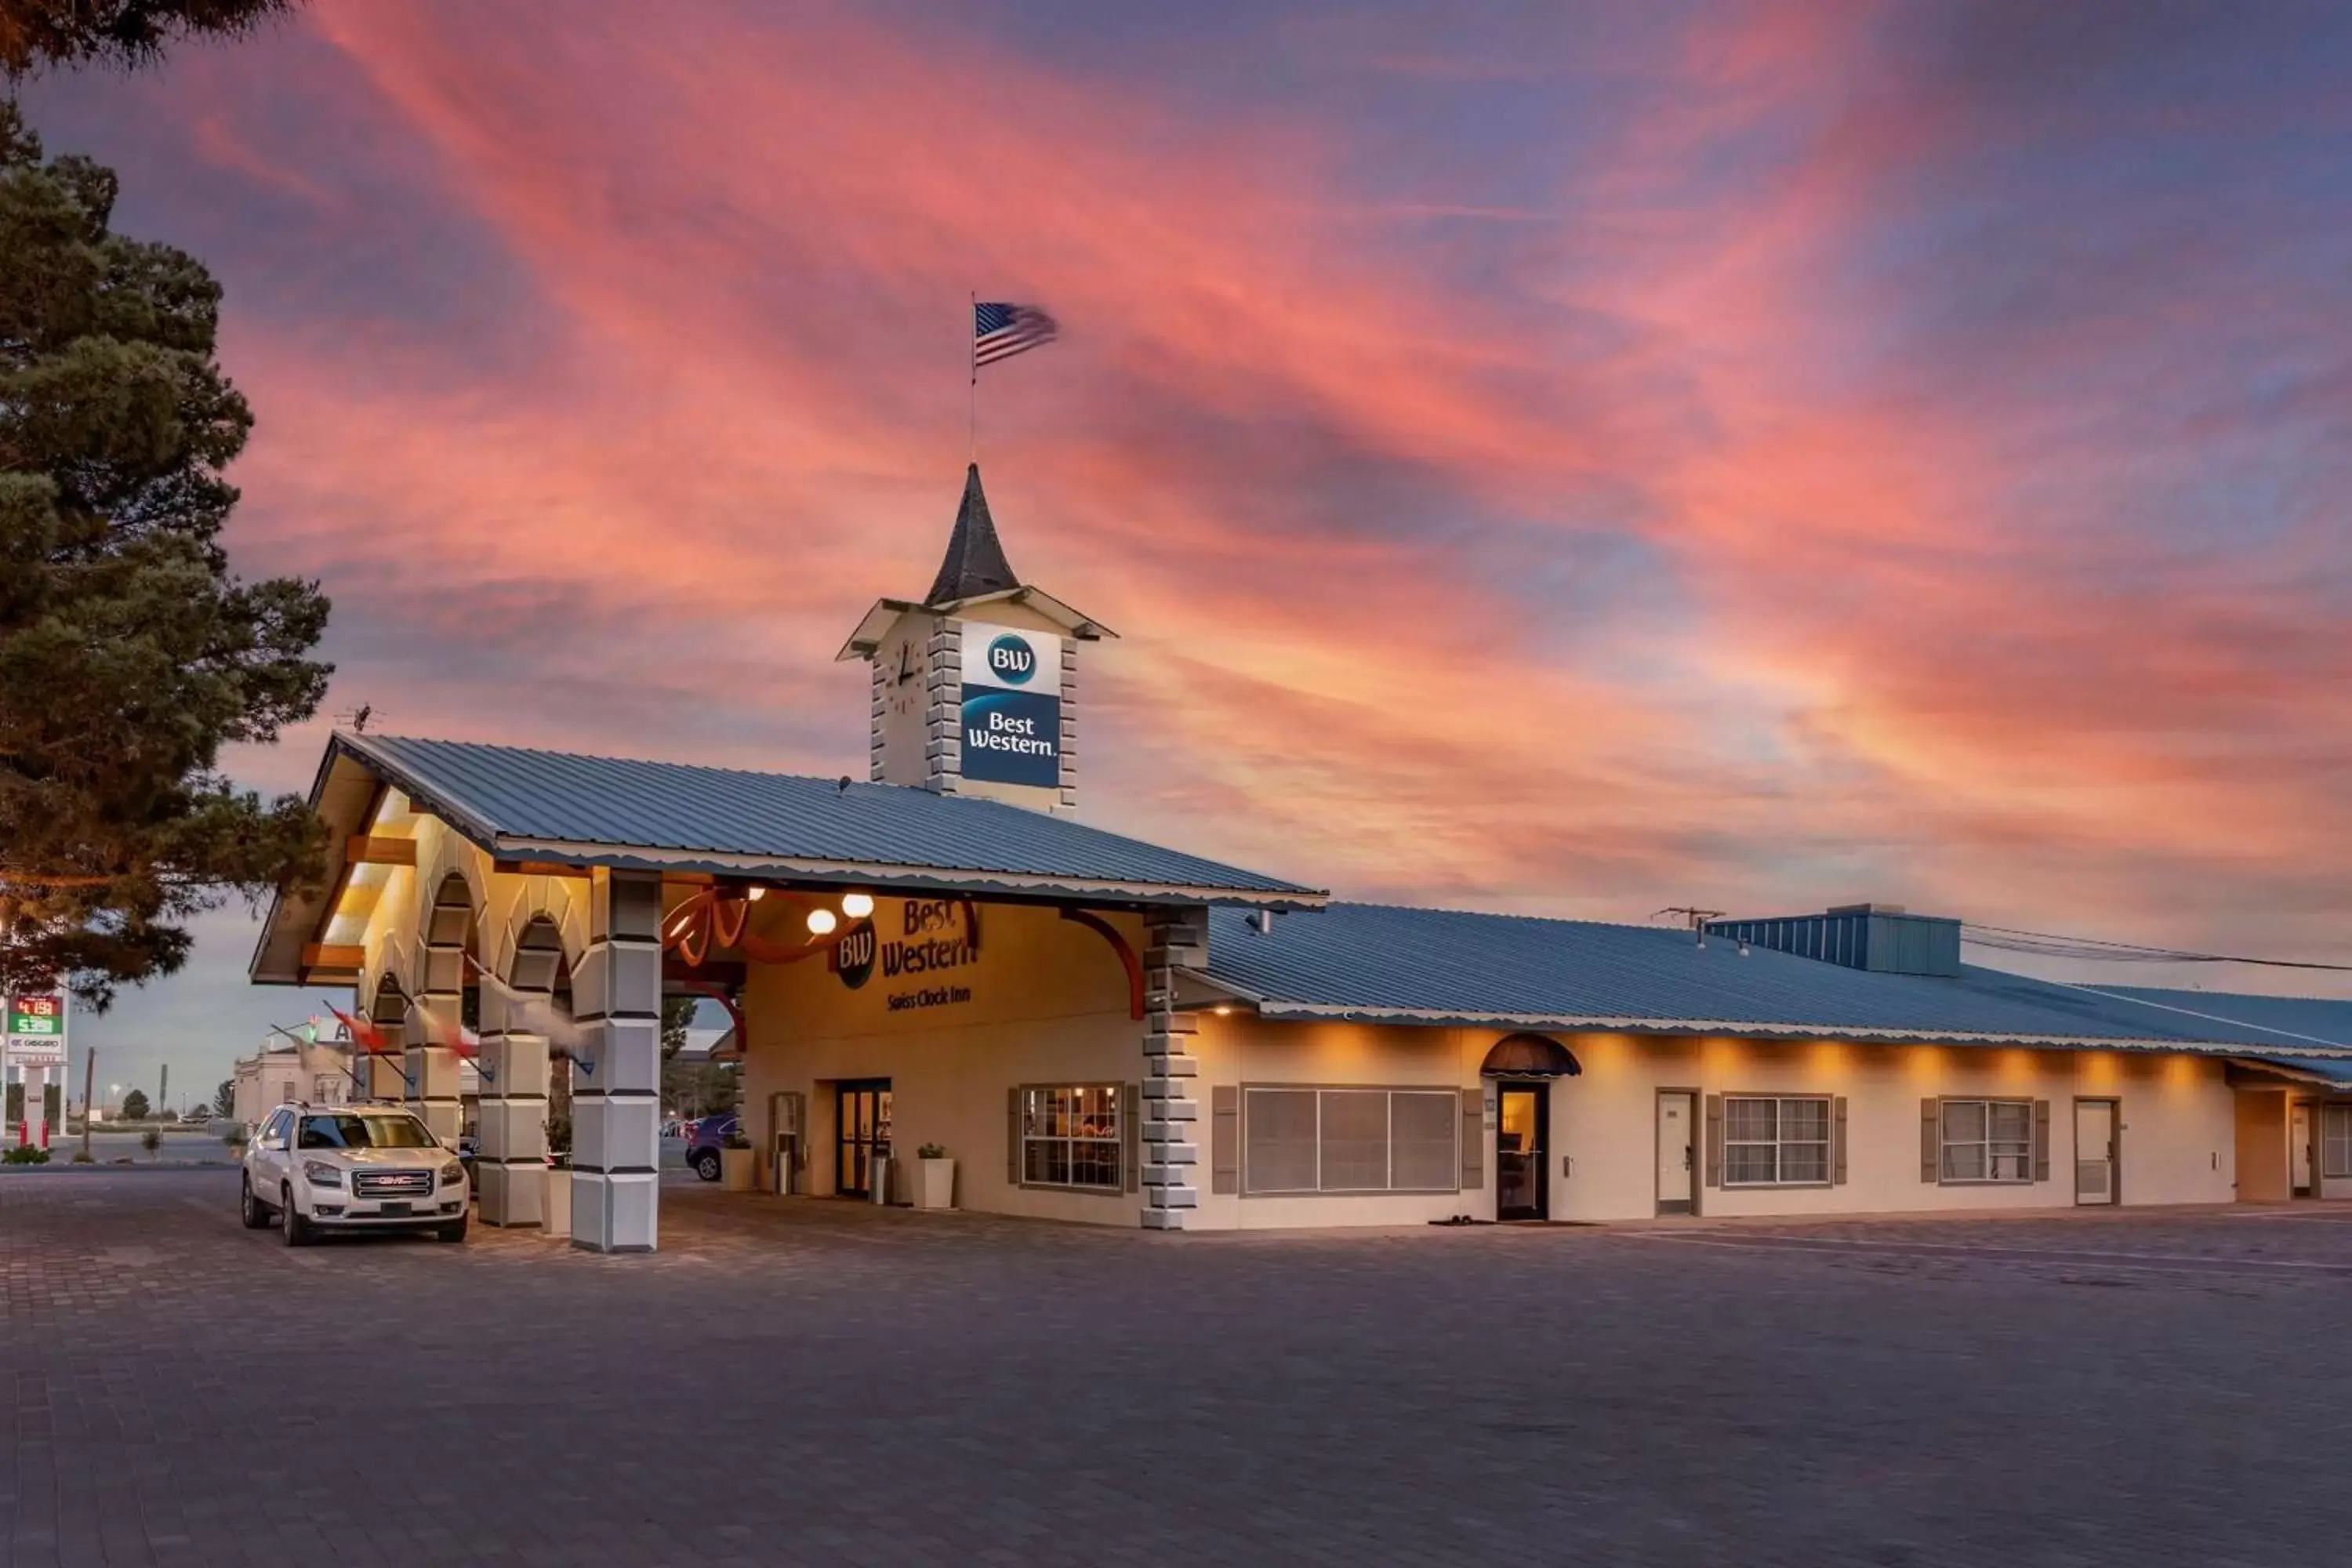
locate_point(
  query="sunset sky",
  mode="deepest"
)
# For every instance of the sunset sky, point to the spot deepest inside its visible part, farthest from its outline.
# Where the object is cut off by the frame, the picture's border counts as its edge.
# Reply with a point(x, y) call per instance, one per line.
point(1567, 460)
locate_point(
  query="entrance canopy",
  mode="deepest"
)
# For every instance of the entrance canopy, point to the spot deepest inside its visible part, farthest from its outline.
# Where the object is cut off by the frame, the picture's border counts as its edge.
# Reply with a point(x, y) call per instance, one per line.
point(1529, 1055)
point(540, 813)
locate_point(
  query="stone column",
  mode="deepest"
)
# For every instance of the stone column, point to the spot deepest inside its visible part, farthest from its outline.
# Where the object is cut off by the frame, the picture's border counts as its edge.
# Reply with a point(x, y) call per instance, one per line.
point(943, 708)
point(1173, 940)
point(510, 1168)
point(617, 1085)
point(434, 1079)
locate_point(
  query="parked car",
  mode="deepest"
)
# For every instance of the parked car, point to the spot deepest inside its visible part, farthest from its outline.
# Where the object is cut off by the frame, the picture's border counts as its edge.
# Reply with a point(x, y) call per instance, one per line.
point(710, 1136)
point(352, 1168)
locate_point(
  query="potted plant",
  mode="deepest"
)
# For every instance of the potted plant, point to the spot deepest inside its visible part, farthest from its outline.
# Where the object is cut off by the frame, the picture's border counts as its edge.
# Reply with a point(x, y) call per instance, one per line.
point(935, 1188)
point(558, 1201)
point(735, 1160)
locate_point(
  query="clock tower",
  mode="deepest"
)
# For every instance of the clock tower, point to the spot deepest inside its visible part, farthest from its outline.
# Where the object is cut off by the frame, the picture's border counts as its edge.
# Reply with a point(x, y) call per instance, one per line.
point(974, 687)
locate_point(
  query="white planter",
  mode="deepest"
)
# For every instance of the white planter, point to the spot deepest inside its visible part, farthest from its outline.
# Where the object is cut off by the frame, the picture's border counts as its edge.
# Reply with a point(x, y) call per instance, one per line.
point(935, 1187)
point(559, 1202)
point(735, 1170)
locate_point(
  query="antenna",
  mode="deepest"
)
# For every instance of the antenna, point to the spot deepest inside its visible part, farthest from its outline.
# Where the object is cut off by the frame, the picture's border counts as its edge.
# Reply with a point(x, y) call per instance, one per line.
point(355, 719)
point(1697, 917)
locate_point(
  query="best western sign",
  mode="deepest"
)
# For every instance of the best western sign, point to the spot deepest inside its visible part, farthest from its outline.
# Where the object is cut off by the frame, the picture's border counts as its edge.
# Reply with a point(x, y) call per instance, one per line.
point(1012, 705)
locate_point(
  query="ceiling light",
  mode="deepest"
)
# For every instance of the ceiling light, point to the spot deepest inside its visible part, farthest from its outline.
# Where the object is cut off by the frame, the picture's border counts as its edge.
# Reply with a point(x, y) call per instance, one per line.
point(857, 906)
point(821, 921)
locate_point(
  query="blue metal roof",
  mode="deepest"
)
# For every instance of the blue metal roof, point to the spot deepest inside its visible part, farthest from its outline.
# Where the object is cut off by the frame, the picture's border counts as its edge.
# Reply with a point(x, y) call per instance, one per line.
point(2281, 1020)
point(605, 810)
point(1376, 963)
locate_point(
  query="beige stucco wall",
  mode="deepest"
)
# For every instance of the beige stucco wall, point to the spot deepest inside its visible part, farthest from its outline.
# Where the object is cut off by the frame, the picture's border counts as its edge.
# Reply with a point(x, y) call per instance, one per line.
point(1048, 1003)
point(2176, 1136)
point(1240, 1049)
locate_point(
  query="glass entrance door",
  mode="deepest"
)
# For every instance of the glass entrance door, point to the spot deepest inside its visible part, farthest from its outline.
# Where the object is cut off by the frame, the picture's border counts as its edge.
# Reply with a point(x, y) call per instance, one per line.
point(862, 1117)
point(1520, 1124)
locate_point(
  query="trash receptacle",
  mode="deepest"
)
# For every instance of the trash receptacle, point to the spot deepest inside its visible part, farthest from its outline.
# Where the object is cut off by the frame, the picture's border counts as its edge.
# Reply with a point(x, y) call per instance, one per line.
point(877, 1180)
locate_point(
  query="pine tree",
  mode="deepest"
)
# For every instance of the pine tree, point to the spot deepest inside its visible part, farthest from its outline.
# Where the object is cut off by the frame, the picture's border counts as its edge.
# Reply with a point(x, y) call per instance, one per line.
point(129, 653)
point(37, 33)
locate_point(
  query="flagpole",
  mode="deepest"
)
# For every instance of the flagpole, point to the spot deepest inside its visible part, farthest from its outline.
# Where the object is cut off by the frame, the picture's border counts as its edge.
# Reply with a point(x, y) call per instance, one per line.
point(971, 358)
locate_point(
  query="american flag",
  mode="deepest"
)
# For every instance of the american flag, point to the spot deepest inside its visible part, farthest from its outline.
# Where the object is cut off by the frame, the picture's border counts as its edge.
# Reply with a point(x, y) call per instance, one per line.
point(1000, 331)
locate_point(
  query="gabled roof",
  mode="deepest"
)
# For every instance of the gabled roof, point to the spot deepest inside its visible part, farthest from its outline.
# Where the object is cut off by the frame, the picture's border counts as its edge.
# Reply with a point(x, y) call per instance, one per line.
point(1378, 963)
point(558, 809)
point(975, 562)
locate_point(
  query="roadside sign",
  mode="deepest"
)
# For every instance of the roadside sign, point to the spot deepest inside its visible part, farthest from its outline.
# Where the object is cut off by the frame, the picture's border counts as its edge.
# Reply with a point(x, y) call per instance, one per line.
point(35, 1036)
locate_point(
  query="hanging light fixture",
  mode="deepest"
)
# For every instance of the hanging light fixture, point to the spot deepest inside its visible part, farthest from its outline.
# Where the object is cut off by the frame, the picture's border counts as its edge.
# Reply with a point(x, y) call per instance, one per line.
point(857, 906)
point(821, 921)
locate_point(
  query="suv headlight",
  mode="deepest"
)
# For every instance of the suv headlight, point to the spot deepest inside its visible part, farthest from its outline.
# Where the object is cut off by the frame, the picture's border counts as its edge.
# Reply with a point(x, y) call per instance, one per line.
point(319, 1173)
point(452, 1173)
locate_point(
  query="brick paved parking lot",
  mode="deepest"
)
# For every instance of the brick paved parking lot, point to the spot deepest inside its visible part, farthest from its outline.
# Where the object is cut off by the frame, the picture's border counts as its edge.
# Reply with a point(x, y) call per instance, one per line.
point(825, 1383)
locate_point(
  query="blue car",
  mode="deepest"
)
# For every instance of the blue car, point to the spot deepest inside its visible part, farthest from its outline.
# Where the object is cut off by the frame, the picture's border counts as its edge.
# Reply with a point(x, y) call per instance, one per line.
point(710, 1136)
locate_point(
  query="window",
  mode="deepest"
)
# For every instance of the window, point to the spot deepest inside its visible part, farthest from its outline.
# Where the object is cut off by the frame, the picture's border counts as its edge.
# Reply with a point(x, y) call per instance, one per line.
point(1776, 1141)
point(349, 1129)
point(1988, 1141)
point(1071, 1138)
point(2335, 1141)
point(1350, 1141)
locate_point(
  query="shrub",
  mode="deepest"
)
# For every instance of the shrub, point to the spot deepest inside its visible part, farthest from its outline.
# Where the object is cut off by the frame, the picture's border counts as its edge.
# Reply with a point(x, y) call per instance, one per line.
point(930, 1152)
point(26, 1154)
point(150, 1139)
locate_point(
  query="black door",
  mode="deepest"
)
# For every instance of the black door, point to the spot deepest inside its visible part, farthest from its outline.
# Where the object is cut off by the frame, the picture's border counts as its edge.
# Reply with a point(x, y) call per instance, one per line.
point(862, 1118)
point(1521, 1125)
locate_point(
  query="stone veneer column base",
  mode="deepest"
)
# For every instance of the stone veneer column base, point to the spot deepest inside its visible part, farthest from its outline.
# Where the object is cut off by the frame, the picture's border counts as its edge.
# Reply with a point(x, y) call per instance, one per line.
point(1174, 940)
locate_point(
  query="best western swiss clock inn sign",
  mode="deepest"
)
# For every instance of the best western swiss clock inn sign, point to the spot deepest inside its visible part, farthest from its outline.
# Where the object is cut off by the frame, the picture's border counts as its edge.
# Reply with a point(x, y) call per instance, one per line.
point(1102, 1030)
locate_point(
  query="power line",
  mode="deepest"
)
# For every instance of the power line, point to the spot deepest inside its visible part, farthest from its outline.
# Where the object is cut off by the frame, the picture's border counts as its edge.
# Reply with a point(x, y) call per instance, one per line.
point(2050, 945)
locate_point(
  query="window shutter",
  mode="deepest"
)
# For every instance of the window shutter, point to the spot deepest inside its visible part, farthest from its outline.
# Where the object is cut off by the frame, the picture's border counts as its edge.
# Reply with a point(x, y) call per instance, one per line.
point(1474, 1139)
point(1225, 1139)
point(2041, 1140)
point(1715, 1140)
point(1130, 1133)
point(1837, 1142)
point(1013, 1135)
point(1931, 1139)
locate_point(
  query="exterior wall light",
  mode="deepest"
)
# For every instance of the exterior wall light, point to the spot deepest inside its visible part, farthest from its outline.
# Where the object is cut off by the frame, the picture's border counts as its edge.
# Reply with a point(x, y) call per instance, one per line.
point(857, 906)
point(756, 894)
point(819, 921)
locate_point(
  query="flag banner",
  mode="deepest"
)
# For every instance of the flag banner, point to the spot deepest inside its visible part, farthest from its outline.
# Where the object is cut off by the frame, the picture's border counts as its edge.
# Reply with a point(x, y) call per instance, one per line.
point(1000, 331)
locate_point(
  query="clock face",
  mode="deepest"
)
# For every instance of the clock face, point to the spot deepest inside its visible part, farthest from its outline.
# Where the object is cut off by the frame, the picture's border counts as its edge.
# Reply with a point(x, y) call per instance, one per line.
point(906, 679)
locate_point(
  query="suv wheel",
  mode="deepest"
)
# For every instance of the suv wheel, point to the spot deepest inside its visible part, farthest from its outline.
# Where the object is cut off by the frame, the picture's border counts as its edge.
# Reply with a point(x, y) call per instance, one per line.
point(706, 1164)
point(250, 1209)
point(297, 1230)
point(454, 1230)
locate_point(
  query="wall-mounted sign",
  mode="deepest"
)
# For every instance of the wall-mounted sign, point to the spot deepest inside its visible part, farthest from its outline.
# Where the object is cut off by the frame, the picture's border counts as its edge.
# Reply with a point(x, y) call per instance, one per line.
point(852, 955)
point(37, 1031)
point(925, 936)
point(1012, 705)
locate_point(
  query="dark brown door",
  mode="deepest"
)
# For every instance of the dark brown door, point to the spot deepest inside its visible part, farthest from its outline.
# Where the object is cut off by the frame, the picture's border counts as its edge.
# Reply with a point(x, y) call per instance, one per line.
point(1522, 1122)
point(862, 1116)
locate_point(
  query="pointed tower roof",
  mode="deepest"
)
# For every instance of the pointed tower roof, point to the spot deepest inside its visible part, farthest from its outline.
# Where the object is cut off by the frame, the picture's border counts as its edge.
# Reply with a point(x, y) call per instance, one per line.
point(975, 562)
point(975, 575)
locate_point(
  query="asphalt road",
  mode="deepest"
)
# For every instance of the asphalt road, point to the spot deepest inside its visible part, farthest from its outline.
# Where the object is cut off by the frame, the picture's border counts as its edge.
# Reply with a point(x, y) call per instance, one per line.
point(803, 1381)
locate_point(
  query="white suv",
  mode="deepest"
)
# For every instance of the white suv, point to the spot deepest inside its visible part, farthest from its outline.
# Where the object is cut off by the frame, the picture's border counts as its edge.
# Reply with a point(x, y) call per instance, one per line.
point(350, 1167)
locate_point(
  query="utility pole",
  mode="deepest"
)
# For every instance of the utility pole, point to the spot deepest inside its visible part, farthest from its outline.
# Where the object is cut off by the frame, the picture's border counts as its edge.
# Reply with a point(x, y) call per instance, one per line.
point(89, 1075)
point(164, 1091)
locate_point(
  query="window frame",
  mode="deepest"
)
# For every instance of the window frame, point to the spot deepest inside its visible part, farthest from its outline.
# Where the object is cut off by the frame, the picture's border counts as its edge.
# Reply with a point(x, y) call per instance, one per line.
point(2332, 1114)
point(1450, 1092)
point(1116, 1095)
point(1945, 1145)
point(1780, 1143)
